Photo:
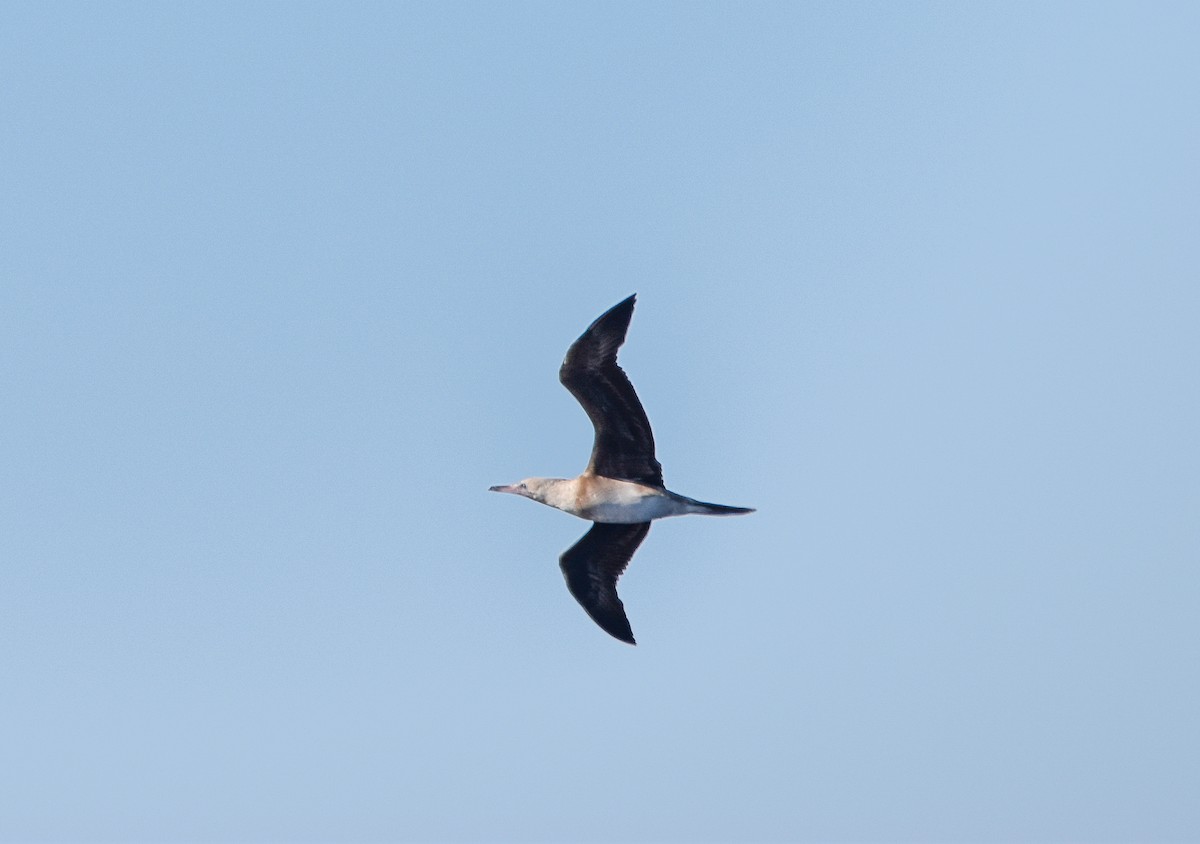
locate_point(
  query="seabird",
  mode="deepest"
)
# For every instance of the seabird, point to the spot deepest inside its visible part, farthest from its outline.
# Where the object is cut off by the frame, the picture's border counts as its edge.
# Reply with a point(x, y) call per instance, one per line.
point(621, 491)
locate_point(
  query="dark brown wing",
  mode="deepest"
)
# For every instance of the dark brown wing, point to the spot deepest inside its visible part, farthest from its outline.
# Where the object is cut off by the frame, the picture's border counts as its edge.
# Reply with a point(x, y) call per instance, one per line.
point(624, 445)
point(592, 566)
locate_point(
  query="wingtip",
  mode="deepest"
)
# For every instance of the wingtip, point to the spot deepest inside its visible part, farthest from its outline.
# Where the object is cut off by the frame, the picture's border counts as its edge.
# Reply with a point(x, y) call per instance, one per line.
point(620, 632)
point(628, 302)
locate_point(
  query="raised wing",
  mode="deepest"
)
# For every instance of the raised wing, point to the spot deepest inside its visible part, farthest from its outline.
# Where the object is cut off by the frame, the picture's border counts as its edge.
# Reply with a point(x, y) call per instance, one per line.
point(624, 445)
point(592, 566)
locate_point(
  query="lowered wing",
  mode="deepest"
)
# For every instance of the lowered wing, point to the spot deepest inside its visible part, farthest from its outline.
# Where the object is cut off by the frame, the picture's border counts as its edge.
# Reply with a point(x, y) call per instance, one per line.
point(591, 567)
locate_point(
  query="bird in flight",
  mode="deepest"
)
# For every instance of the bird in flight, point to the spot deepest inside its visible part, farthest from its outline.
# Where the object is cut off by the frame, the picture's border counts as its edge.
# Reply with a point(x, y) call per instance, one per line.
point(621, 491)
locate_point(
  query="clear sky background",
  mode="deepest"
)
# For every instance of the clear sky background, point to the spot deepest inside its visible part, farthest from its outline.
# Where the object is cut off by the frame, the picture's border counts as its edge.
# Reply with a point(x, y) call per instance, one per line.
point(285, 287)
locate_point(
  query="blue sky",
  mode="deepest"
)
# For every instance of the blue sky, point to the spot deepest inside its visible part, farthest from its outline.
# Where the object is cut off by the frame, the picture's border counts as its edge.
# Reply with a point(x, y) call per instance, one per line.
point(284, 288)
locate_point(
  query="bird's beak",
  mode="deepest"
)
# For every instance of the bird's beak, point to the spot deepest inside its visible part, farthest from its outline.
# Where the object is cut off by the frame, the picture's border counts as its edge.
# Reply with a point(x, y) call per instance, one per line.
point(508, 488)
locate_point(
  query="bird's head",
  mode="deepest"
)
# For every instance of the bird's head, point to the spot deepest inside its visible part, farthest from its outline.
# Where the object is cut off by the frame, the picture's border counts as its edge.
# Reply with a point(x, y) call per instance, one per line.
point(535, 488)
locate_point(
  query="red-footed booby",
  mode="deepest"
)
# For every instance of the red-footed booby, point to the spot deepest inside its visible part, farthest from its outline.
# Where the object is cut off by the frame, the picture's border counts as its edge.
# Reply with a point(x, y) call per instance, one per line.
point(621, 491)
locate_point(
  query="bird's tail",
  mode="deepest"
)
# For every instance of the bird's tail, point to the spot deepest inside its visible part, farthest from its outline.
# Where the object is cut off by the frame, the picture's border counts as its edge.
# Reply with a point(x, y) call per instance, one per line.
point(703, 508)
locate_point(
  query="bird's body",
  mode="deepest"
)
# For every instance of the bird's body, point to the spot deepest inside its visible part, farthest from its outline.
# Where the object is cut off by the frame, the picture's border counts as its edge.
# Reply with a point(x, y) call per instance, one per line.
point(621, 491)
point(600, 499)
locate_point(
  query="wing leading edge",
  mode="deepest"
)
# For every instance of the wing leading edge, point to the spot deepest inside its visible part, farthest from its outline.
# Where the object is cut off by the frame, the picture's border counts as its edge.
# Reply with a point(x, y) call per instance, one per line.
point(591, 567)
